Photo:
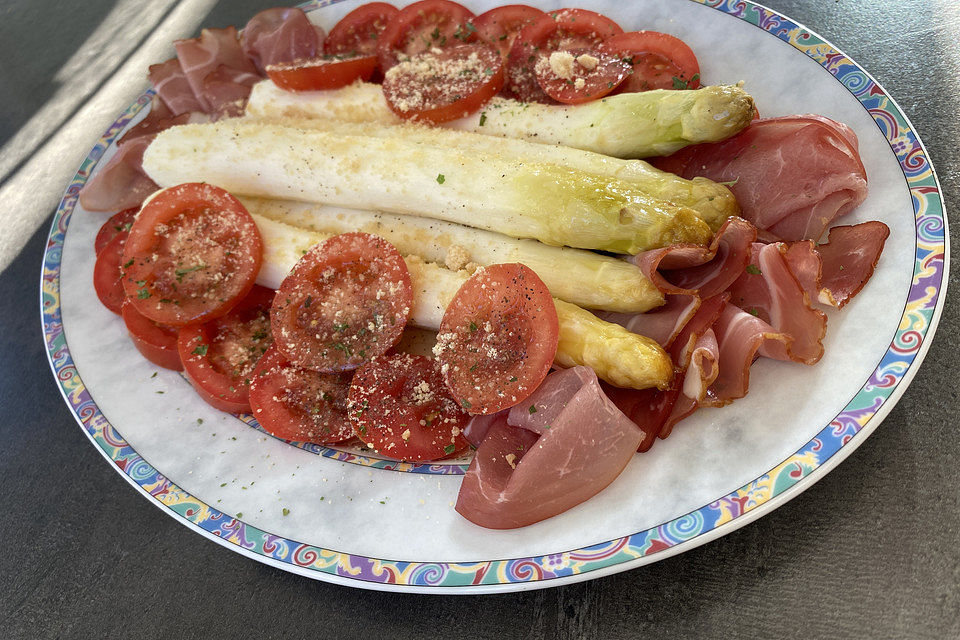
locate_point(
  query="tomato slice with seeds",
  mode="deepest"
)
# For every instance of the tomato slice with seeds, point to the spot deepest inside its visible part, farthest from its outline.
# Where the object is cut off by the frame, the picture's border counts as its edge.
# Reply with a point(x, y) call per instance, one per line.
point(118, 223)
point(219, 356)
point(358, 32)
point(498, 338)
point(528, 48)
point(155, 342)
point(401, 408)
point(658, 61)
point(588, 74)
point(108, 273)
point(437, 87)
point(346, 301)
point(317, 74)
point(499, 27)
point(423, 26)
point(299, 404)
point(193, 252)
point(581, 28)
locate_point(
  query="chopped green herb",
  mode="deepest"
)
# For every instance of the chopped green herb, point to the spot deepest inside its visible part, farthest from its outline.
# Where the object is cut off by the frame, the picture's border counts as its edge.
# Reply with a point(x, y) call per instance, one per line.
point(466, 404)
point(286, 511)
point(154, 375)
point(483, 119)
point(182, 272)
point(473, 326)
point(449, 449)
point(143, 293)
point(201, 350)
point(308, 302)
point(532, 409)
point(441, 178)
point(513, 379)
point(340, 326)
point(239, 514)
point(753, 270)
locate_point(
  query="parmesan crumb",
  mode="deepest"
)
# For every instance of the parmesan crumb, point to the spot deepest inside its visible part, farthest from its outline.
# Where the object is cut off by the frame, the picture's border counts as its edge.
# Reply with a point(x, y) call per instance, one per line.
point(561, 63)
point(588, 61)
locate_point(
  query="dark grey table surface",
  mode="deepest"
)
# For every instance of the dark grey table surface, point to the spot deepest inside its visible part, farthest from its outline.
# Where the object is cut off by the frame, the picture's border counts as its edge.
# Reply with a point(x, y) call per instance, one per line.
point(871, 551)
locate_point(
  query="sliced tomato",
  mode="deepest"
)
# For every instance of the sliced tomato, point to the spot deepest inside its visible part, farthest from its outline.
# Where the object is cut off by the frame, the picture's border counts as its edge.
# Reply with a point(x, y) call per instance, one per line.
point(193, 252)
point(219, 356)
point(587, 74)
point(156, 342)
point(299, 404)
point(421, 27)
point(528, 48)
point(400, 406)
point(118, 222)
point(498, 338)
point(581, 28)
point(658, 60)
point(108, 273)
point(328, 72)
point(440, 86)
point(346, 301)
point(499, 27)
point(358, 32)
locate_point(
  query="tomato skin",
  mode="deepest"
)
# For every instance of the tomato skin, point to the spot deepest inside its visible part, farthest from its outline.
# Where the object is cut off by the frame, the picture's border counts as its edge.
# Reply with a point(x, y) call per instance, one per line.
point(421, 26)
point(358, 32)
point(193, 252)
point(321, 74)
point(155, 342)
point(299, 404)
point(498, 338)
point(477, 76)
point(657, 58)
point(204, 350)
point(581, 28)
point(346, 301)
point(400, 407)
point(527, 49)
point(107, 273)
point(608, 73)
point(500, 27)
point(118, 223)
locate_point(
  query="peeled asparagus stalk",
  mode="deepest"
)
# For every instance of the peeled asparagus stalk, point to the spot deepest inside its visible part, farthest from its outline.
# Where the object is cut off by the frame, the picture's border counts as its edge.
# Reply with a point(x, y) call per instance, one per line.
point(712, 202)
point(618, 356)
point(551, 203)
point(581, 277)
point(628, 125)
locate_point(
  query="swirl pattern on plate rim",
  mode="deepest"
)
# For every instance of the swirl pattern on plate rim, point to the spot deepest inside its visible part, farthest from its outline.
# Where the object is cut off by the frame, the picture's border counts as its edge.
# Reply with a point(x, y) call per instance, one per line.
point(925, 293)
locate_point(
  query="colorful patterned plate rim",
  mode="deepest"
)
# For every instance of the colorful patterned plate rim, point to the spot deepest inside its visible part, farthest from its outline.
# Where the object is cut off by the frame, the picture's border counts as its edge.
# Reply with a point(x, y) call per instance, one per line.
point(799, 471)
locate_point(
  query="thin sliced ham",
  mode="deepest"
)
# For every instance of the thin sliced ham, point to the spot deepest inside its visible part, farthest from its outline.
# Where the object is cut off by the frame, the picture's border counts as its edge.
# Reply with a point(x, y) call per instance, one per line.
point(280, 35)
point(201, 56)
point(170, 83)
point(227, 90)
point(121, 183)
point(518, 478)
point(662, 324)
point(792, 175)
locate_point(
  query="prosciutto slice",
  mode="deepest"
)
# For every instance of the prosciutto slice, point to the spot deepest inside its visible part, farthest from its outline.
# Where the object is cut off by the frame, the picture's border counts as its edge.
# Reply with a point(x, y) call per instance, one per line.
point(280, 35)
point(792, 176)
point(227, 90)
point(121, 183)
point(171, 85)
point(201, 56)
point(518, 477)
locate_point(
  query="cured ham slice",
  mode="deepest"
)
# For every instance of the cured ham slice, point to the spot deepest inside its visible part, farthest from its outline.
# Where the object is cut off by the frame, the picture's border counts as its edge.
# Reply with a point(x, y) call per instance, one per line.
point(121, 183)
point(740, 335)
point(518, 477)
point(280, 35)
point(834, 272)
point(201, 56)
point(171, 85)
point(792, 176)
point(227, 90)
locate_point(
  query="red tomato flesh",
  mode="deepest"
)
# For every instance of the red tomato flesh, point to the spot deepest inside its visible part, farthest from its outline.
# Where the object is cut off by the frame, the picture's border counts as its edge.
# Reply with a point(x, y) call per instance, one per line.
point(574, 76)
point(346, 301)
point(108, 273)
point(421, 27)
point(299, 404)
point(219, 356)
point(156, 342)
point(581, 28)
point(118, 223)
point(499, 27)
point(358, 32)
point(328, 72)
point(400, 407)
point(658, 61)
point(446, 85)
point(193, 252)
point(498, 338)
point(528, 48)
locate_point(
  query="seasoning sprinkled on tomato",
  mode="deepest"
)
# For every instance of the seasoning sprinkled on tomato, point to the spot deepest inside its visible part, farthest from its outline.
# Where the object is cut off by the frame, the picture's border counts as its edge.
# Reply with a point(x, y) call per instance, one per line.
point(423, 26)
point(401, 408)
point(346, 301)
point(118, 223)
point(498, 338)
point(299, 404)
point(327, 72)
point(358, 32)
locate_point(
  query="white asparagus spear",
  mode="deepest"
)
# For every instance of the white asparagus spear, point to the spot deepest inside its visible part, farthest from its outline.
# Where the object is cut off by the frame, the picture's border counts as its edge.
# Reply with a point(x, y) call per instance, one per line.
point(554, 204)
point(581, 277)
point(628, 125)
point(618, 356)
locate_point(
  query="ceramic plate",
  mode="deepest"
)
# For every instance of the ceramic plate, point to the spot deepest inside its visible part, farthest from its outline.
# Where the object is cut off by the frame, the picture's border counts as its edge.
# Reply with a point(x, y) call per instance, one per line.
point(353, 519)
